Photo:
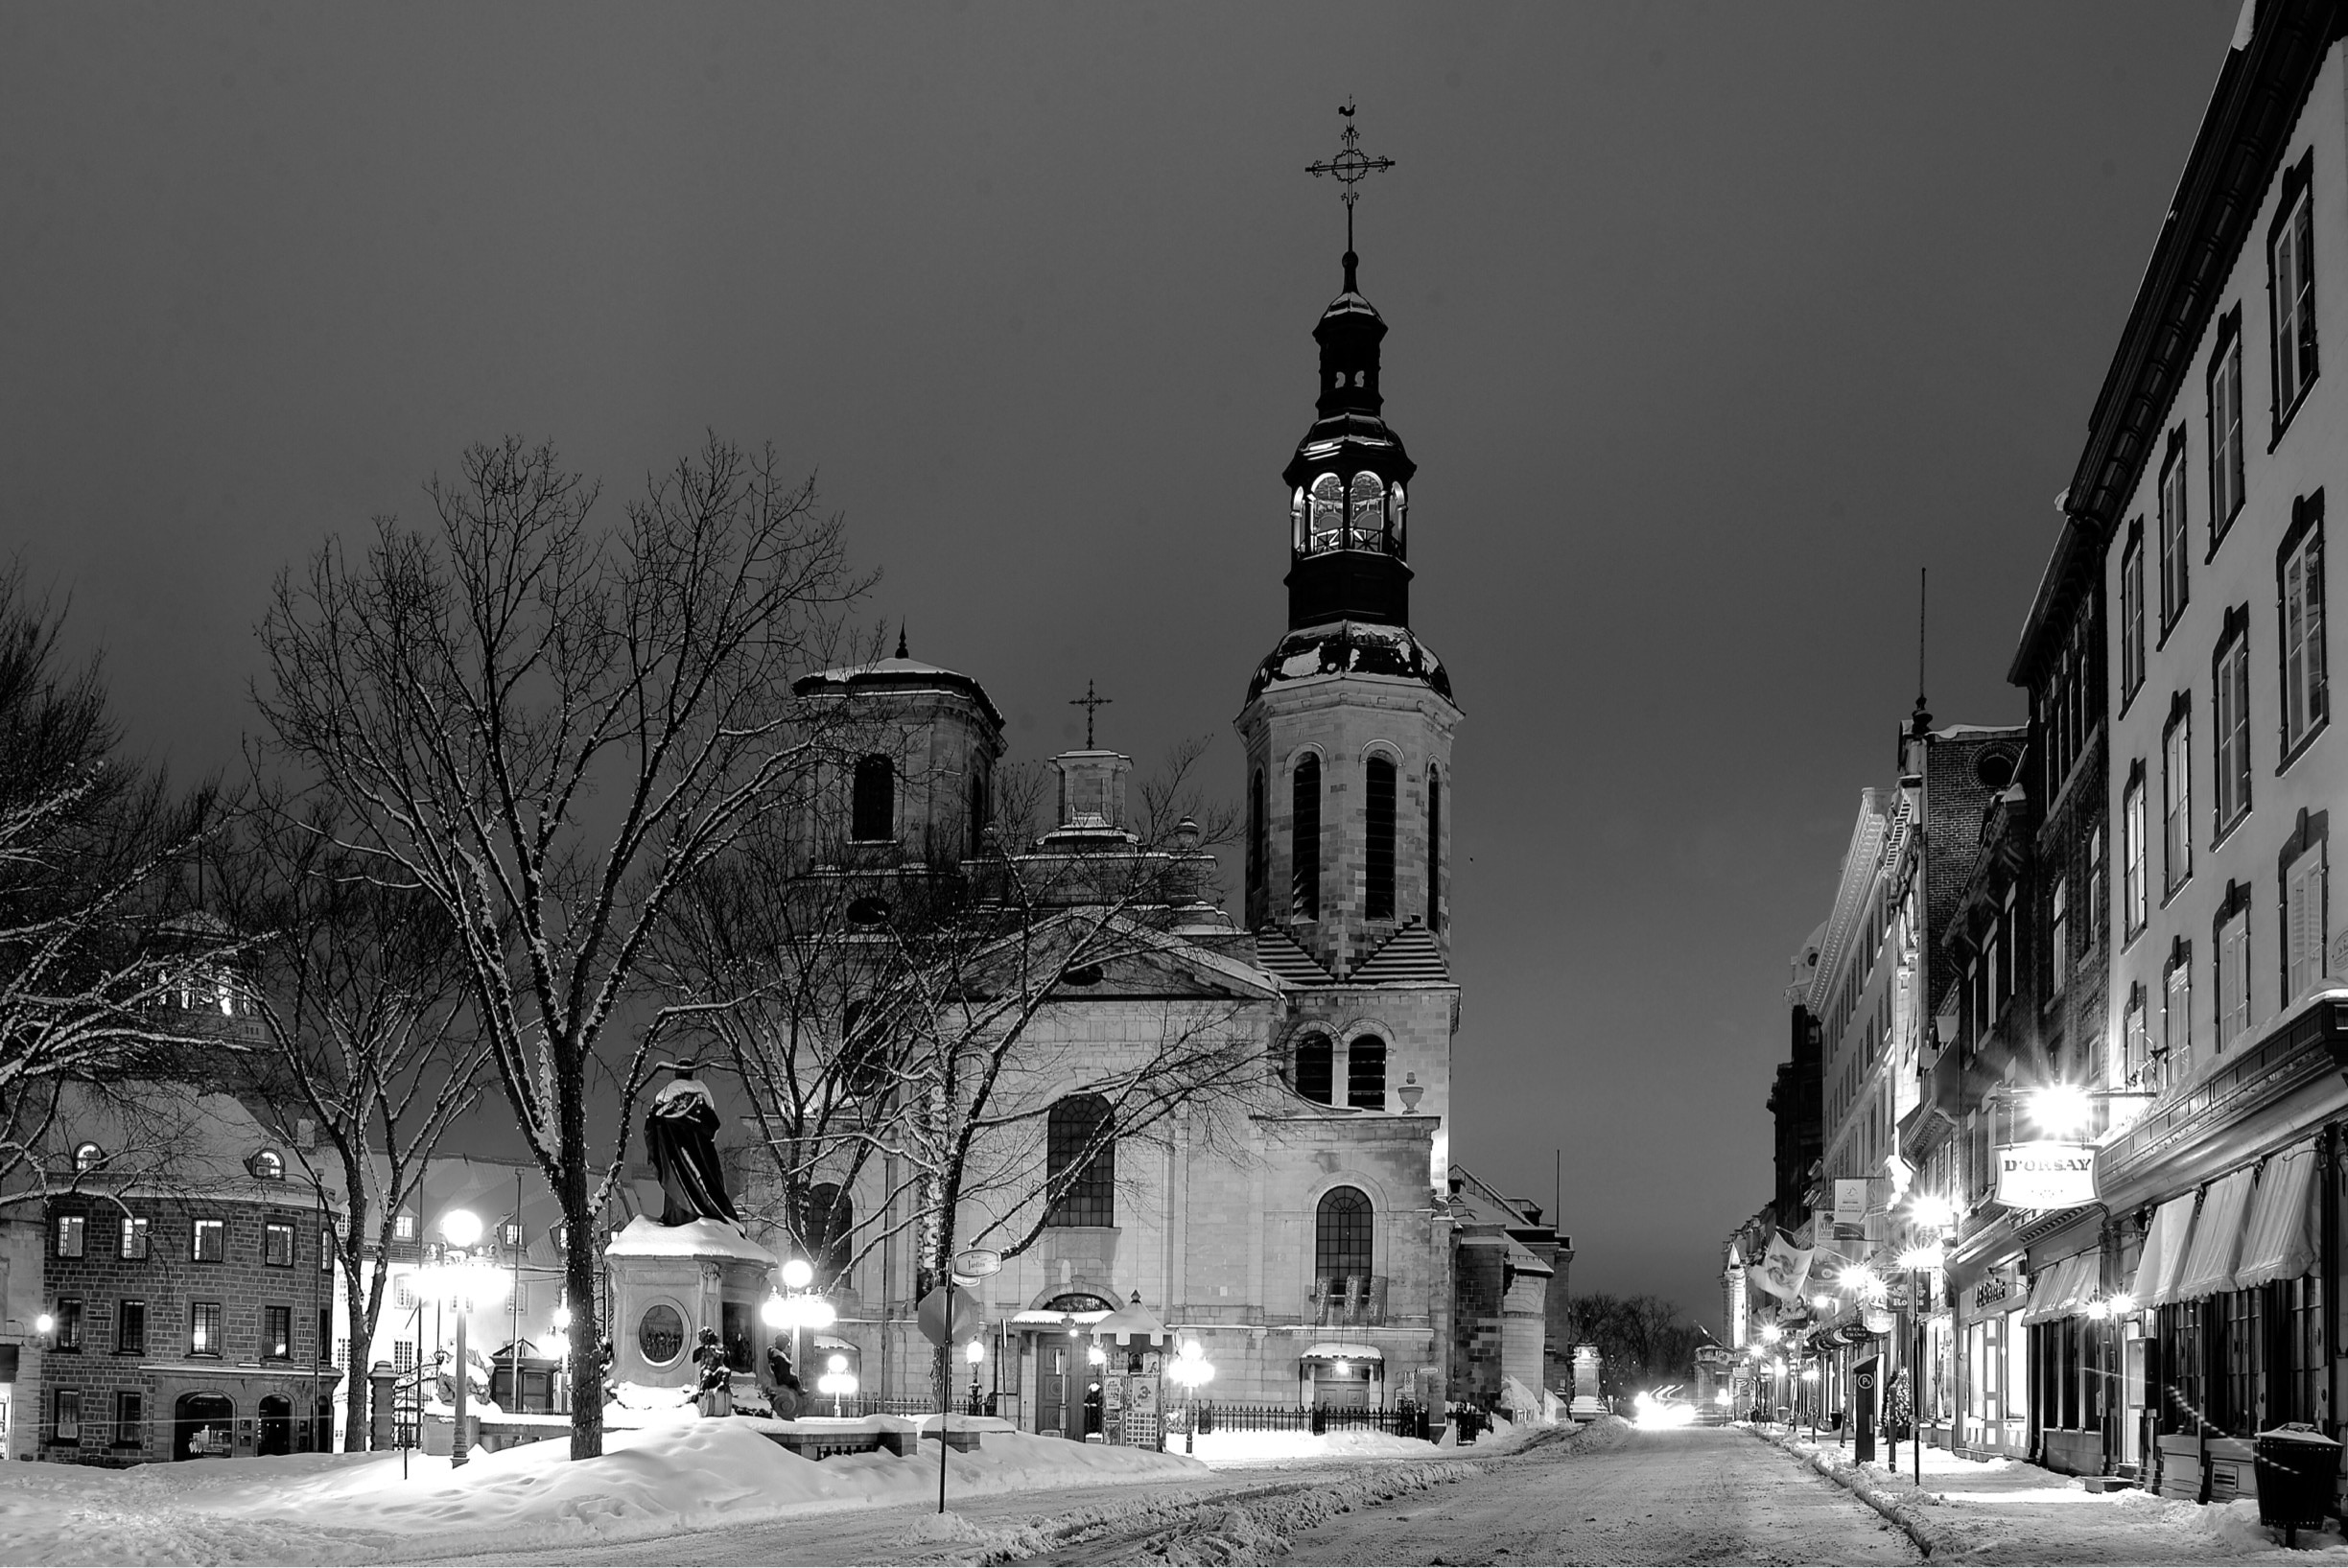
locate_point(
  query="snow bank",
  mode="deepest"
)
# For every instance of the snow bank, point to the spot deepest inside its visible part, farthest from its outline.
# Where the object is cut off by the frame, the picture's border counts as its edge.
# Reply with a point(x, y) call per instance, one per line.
point(1222, 1448)
point(655, 1481)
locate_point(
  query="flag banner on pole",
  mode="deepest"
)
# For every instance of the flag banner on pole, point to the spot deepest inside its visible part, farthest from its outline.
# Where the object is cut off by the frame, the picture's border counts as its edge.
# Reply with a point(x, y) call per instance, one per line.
point(1784, 1269)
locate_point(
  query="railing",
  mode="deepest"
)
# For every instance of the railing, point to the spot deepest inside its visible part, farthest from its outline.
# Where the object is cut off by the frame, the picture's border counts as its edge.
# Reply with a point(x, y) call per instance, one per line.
point(1350, 1301)
point(1404, 1421)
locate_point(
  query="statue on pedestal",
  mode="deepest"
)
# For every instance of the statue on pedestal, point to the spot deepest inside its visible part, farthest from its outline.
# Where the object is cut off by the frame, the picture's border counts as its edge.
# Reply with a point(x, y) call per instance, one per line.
point(681, 1135)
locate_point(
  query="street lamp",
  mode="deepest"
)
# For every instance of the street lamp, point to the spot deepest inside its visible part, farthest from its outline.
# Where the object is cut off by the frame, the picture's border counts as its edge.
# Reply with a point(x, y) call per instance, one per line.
point(975, 1355)
point(799, 1309)
point(1191, 1368)
point(460, 1278)
point(837, 1381)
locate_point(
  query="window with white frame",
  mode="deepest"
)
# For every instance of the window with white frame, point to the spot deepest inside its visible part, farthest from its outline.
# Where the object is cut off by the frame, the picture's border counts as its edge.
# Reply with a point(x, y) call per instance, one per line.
point(2233, 976)
point(2304, 887)
point(2177, 798)
point(2173, 577)
point(2225, 426)
point(2132, 615)
point(2058, 930)
point(2132, 853)
point(72, 1232)
point(2291, 259)
point(210, 1241)
point(2135, 1045)
point(135, 1238)
point(2230, 703)
point(2177, 1010)
point(2299, 572)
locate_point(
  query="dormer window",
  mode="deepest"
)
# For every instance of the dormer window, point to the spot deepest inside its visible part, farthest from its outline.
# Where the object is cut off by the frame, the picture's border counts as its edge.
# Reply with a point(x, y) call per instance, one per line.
point(87, 1158)
point(267, 1165)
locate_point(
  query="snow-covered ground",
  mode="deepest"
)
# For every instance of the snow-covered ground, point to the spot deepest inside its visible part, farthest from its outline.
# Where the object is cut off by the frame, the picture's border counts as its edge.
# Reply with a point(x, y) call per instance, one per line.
point(2004, 1511)
point(655, 1481)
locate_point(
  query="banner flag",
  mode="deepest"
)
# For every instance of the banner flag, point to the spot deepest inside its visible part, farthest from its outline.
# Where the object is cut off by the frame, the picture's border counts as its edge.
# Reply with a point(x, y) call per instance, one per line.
point(1785, 1268)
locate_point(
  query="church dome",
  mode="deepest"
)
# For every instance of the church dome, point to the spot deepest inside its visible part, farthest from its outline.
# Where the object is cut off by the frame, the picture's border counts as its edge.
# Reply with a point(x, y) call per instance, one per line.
point(1351, 647)
point(898, 674)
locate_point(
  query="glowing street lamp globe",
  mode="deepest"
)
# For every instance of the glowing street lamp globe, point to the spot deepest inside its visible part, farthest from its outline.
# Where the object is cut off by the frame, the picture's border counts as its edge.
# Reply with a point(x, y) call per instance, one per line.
point(2060, 1109)
point(562, 1318)
point(1932, 1211)
point(798, 1273)
point(461, 1227)
point(1922, 1259)
point(976, 1353)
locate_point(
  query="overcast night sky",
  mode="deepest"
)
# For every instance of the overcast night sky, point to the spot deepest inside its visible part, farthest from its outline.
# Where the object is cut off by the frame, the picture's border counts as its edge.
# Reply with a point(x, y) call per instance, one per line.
point(1710, 325)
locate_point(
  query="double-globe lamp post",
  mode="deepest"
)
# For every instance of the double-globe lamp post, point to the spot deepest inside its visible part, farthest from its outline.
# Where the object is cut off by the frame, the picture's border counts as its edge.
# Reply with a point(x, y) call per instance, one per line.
point(460, 1278)
point(801, 1309)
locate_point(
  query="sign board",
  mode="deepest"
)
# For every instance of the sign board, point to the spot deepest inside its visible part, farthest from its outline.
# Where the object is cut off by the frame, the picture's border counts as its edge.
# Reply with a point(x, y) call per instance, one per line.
point(1850, 1195)
point(2046, 1175)
point(1993, 1289)
point(949, 1315)
point(978, 1262)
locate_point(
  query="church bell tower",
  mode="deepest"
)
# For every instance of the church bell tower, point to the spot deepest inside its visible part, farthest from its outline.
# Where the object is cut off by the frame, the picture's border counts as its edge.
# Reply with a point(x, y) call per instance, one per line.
point(1348, 724)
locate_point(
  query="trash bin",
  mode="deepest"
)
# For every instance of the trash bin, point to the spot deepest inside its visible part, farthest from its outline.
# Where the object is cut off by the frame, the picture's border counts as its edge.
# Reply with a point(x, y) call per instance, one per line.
point(2298, 1472)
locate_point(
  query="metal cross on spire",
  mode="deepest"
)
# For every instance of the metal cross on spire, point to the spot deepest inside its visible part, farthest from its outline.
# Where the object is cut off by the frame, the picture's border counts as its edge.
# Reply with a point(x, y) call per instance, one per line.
point(1351, 166)
point(1090, 704)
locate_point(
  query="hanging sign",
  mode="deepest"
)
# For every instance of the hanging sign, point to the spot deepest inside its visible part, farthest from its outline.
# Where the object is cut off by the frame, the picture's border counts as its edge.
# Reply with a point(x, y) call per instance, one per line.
point(1850, 1195)
point(2046, 1175)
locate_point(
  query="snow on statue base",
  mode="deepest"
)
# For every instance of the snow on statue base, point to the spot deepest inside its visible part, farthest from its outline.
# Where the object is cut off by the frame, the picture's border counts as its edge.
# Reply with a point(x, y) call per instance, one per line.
point(669, 1283)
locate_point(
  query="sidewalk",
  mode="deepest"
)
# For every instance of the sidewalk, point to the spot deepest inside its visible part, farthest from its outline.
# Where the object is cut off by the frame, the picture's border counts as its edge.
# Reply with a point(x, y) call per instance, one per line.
point(2004, 1511)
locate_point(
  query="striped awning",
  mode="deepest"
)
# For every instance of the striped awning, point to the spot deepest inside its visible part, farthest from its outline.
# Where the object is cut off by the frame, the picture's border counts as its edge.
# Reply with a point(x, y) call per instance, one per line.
point(2280, 1243)
point(2065, 1288)
point(2163, 1260)
point(2217, 1246)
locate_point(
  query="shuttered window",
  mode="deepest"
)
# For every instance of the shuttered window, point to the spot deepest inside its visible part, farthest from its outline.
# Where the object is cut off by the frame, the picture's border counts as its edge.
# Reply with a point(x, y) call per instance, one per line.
point(1378, 852)
point(1304, 840)
point(2304, 698)
point(2233, 979)
point(2303, 921)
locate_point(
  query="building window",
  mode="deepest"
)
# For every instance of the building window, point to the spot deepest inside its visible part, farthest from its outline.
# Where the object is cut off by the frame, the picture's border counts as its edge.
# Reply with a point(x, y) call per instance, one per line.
point(277, 1333)
point(66, 1417)
point(1255, 841)
point(2176, 1012)
point(210, 1243)
point(2305, 699)
point(2058, 931)
point(134, 1236)
point(2177, 798)
point(2172, 584)
point(68, 1324)
point(2132, 615)
point(2225, 427)
point(2304, 888)
point(872, 802)
point(2132, 853)
point(1080, 1162)
point(2230, 683)
point(72, 1232)
point(2099, 888)
point(1378, 852)
point(268, 1166)
point(403, 1355)
point(1316, 1072)
point(1343, 1228)
point(2135, 1042)
point(1366, 1073)
point(402, 1227)
point(203, 1329)
point(1366, 500)
point(1328, 512)
point(2234, 975)
point(1304, 839)
point(131, 1328)
point(87, 1158)
point(277, 1244)
point(1398, 514)
point(510, 1233)
point(1434, 887)
point(130, 1418)
point(2290, 260)
point(322, 1345)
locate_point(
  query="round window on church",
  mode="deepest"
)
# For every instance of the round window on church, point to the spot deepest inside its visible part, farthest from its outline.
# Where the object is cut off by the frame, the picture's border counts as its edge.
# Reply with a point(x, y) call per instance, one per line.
point(660, 1334)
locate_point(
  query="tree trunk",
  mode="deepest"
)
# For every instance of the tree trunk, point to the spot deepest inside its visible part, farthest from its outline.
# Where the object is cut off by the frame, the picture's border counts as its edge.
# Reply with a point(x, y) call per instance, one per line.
point(582, 1245)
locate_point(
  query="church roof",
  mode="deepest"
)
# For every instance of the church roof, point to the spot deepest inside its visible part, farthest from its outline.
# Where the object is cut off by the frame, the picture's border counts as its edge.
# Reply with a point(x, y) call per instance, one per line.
point(1409, 956)
point(1351, 647)
point(1350, 302)
point(1278, 954)
point(899, 674)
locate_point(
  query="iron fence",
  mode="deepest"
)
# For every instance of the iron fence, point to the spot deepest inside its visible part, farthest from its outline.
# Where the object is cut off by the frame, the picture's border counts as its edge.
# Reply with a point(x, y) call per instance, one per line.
point(1404, 1420)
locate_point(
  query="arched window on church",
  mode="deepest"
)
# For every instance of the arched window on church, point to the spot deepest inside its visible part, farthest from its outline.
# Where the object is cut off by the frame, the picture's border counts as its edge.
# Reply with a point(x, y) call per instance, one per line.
point(1328, 512)
point(872, 812)
point(1315, 1069)
point(826, 1217)
point(1255, 841)
point(1296, 520)
point(1434, 887)
point(1366, 506)
point(1366, 1073)
point(1080, 1151)
point(1304, 840)
point(1379, 848)
point(1342, 1232)
point(1397, 511)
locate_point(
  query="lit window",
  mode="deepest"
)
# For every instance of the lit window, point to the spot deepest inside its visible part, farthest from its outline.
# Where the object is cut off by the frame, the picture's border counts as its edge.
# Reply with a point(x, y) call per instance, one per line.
point(402, 1227)
point(69, 1325)
point(2302, 592)
point(134, 1239)
point(2132, 615)
point(2132, 853)
point(2291, 298)
point(1365, 506)
point(211, 1241)
point(2230, 679)
point(510, 1233)
point(2303, 884)
point(1296, 520)
point(203, 1329)
point(1328, 512)
point(2177, 798)
point(277, 1244)
point(1397, 508)
point(2233, 978)
point(72, 1234)
point(87, 1157)
point(277, 1333)
point(268, 1166)
point(2225, 426)
point(2172, 581)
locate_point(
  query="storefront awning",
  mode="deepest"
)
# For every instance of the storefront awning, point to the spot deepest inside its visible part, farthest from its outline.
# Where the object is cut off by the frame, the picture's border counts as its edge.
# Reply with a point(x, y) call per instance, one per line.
point(2065, 1288)
point(2218, 1238)
point(2162, 1261)
point(2279, 1242)
point(1337, 1350)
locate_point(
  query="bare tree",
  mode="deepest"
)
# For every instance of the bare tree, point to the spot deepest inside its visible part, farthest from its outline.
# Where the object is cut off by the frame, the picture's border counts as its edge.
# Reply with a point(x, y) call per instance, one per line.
point(1643, 1341)
point(357, 985)
point(103, 968)
point(548, 728)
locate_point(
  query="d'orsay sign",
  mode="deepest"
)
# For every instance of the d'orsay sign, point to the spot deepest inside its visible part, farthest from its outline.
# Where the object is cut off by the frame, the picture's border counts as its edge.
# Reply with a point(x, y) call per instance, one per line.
point(2046, 1175)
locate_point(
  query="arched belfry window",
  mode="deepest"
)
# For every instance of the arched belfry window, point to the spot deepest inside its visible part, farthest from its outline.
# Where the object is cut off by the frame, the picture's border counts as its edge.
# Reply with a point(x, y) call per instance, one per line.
point(1378, 846)
point(1366, 506)
point(1328, 512)
point(1397, 511)
point(1255, 841)
point(1434, 887)
point(1366, 1073)
point(1304, 840)
point(1315, 1069)
point(1342, 1232)
point(872, 805)
point(1080, 1161)
point(1296, 520)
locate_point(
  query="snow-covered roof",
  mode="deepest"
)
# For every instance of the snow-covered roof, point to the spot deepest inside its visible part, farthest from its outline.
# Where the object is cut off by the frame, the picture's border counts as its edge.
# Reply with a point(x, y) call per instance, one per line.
point(1351, 647)
point(1408, 957)
point(897, 675)
point(647, 1237)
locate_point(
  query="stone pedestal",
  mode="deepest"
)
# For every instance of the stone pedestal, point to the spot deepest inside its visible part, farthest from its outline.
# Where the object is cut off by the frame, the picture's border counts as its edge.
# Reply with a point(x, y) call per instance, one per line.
point(671, 1282)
